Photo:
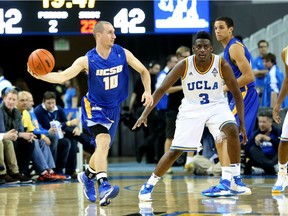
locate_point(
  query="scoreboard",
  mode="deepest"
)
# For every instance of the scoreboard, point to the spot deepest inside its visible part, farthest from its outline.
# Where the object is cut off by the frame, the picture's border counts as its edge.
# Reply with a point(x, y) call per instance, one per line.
point(74, 17)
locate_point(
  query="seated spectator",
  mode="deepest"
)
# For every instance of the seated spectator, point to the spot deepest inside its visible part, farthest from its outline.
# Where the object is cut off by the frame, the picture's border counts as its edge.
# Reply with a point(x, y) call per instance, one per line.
point(59, 147)
point(273, 81)
point(8, 160)
point(262, 147)
point(48, 111)
point(24, 144)
point(42, 157)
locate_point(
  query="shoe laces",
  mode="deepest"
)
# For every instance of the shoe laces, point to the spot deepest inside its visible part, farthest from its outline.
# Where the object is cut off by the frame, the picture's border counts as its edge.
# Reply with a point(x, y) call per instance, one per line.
point(224, 183)
point(147, 188)
point(90, 185)
point(238, 181)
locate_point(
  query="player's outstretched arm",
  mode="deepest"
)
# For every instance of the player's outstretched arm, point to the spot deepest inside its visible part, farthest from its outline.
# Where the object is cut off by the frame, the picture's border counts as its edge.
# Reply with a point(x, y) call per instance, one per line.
point(78, 65)
point(233, 86)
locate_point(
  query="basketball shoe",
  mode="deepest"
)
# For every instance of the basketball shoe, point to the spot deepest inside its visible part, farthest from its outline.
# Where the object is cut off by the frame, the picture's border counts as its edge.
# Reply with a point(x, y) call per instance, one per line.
point(107, 193)
point(146, 208)
point(238, 187)
point(89, 189)
point(145, 192)
point(281, 183)
point(222, 189)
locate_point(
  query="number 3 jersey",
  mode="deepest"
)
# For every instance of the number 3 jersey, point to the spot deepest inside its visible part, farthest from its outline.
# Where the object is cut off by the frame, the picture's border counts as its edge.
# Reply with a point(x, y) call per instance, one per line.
point(203, 88)
point(108, 79)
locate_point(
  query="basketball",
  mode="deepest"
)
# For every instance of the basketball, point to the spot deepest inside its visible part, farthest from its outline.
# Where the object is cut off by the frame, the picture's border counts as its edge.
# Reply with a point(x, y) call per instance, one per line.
point(41, 62)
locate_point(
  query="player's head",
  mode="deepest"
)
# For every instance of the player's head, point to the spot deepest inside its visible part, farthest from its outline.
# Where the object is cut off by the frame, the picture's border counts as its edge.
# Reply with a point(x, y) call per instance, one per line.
point(104, 33)
point(223, 28)
point(202, 46)
point(183, 52)
point(49, 101)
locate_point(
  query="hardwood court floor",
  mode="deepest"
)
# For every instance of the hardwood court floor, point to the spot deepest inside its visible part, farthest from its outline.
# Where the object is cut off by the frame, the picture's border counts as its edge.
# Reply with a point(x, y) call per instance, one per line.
point(177, 194)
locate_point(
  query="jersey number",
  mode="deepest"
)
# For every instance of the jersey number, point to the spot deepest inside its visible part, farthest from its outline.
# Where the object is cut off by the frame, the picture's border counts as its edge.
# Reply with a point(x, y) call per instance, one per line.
point(205, 98)
point(111, 82)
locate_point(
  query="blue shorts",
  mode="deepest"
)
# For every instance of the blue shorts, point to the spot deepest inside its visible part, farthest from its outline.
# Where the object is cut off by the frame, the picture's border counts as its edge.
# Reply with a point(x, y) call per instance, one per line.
point(251, 105)
point(93, 115)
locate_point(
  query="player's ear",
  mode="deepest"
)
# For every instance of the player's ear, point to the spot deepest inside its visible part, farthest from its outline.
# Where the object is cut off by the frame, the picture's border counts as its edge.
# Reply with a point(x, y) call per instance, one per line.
point(231, 29)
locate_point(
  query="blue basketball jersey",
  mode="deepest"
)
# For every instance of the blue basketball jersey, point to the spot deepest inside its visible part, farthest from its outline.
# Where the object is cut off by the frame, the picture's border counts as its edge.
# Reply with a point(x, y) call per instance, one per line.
point(108, 80)
point(249, 93)
point(234, 67)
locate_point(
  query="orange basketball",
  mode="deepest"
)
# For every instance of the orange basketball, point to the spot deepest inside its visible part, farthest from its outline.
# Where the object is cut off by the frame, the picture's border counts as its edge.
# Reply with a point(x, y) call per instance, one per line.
point(41, 61)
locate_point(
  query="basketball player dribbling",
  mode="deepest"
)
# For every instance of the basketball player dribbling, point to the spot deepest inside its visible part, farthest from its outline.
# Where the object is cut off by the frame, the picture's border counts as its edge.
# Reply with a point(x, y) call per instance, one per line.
point(108, 75)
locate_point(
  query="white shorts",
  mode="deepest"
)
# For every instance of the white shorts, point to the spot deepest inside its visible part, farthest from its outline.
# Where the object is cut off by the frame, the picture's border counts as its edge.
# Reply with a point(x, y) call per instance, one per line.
point(191, 121)
point(284, 134)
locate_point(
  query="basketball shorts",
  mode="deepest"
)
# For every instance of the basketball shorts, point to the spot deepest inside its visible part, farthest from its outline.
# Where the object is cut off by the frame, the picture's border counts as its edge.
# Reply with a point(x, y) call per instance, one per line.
point(251, 105)
point(191, 121)
point(93, 115)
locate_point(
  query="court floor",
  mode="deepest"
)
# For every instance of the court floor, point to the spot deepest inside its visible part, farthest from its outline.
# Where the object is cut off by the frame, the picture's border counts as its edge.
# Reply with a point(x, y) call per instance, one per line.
point(177, 194)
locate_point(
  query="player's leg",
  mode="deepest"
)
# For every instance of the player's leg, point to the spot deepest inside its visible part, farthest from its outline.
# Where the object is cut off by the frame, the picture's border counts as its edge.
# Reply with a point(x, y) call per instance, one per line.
point(105, 190)
point(282, 178)
point(187, 138)
point(163, 165)
point(225, 121)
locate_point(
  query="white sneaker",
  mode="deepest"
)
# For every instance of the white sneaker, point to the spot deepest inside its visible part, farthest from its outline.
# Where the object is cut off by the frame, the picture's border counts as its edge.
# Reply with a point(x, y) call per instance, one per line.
point(238, 187)
point(281, 183)
point(146, 208)
point(145, 192)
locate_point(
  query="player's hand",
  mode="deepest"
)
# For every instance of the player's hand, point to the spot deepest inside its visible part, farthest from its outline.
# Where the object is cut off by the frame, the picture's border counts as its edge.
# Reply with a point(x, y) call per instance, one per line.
point(275, 113)
point(243, 133)
point(147, 99)
point(139, 122)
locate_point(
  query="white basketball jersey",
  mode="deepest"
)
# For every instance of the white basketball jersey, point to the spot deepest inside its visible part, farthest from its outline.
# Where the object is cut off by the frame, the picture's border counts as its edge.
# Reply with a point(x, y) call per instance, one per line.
point(203, 87)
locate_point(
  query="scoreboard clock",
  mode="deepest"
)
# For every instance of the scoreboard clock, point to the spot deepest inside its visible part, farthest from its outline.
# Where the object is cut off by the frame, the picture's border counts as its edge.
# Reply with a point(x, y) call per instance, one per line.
point(74, 17)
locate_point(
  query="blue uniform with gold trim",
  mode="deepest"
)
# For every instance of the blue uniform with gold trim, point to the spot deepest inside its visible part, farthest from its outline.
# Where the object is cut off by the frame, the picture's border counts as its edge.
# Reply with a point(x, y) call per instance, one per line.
point(249, 93)
point(108, 81)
